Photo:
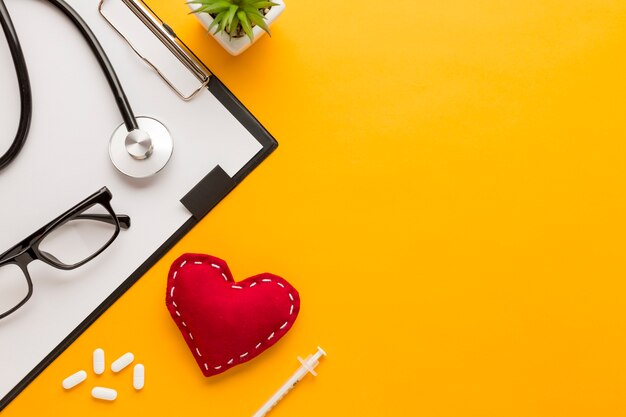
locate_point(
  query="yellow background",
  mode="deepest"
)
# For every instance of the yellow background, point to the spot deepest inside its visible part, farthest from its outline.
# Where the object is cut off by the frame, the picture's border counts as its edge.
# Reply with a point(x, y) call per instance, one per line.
point(449, 199)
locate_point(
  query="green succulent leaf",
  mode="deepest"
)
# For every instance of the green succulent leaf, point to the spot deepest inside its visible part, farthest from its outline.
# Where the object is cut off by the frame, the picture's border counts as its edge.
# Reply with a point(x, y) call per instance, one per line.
point(218, 21)
point(259, 19)
point(234, 26)
point(251, 10)
point(245, 24)
point(232, 11)
point(262, 4)
point(223, 22)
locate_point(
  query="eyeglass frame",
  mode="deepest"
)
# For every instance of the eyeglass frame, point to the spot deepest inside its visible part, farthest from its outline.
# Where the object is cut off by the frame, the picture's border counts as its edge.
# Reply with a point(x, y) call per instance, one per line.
point(28, 250)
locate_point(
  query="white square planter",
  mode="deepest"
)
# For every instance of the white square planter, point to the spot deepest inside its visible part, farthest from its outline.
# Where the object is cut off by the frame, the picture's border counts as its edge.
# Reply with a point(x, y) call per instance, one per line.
point(235, 46)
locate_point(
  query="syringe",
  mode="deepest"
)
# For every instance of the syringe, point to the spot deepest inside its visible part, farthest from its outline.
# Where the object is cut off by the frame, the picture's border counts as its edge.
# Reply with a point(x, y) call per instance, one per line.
point(308, 365)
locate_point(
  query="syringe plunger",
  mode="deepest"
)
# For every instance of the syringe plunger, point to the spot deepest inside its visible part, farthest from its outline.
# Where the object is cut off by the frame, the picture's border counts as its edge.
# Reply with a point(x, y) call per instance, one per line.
point(308, 366)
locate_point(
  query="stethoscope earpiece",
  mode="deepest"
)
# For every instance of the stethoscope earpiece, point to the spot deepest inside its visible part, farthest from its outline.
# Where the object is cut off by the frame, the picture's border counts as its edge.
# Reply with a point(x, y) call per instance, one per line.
point(141, 152)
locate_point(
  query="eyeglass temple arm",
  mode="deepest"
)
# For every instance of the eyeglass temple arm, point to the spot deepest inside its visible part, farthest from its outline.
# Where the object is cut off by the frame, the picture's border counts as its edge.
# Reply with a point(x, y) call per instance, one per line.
point(123, 219)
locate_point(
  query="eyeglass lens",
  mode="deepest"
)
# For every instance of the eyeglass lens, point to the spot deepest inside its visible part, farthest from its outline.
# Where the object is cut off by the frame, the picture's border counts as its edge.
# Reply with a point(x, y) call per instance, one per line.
point(13, 287)
point(80, 238)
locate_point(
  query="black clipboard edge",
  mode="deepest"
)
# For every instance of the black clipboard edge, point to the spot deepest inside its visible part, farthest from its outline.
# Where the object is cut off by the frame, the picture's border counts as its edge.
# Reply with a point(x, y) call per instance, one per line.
point(201, 208)
point(217, 184)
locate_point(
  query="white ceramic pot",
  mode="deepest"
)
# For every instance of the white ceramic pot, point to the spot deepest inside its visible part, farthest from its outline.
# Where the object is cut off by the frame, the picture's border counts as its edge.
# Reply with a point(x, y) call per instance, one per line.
point(235, 46)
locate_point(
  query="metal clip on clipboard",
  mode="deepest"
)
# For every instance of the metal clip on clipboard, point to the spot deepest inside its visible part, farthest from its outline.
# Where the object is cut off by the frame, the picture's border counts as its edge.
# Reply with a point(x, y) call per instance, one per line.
point(168, 38)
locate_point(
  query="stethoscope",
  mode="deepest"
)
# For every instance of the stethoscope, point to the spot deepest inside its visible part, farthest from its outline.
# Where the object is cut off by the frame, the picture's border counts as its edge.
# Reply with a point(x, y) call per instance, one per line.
point(140, 147)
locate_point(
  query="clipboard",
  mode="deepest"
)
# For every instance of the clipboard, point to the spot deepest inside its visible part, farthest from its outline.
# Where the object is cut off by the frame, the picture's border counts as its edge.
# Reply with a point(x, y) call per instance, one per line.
point(196, 201)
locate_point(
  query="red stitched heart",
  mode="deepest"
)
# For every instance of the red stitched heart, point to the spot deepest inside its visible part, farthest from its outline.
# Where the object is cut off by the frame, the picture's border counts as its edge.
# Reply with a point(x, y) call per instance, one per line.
point(223, 322)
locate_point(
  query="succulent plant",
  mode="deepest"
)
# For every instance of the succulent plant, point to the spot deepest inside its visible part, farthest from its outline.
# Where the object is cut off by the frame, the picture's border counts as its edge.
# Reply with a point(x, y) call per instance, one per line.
point(235, 16)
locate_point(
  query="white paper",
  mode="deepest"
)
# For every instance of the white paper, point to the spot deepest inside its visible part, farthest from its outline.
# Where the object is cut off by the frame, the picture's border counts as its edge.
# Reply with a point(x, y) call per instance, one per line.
point(66, 159)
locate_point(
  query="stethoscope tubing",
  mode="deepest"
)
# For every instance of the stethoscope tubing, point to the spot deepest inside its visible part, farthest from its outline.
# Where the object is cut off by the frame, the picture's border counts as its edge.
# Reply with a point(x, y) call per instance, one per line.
point(116, 87)
point(26, 98)
point(21, 69)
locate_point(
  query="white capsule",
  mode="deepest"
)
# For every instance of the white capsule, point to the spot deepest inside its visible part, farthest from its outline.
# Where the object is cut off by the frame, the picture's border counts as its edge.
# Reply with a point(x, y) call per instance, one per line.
point(74, 379)
point(139, 376)
point(122, 362)
point(102, 393)
point(98, 361)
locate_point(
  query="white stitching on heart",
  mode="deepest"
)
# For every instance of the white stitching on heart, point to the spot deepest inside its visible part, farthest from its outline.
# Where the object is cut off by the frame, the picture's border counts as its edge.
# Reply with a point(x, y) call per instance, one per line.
point(258, 345)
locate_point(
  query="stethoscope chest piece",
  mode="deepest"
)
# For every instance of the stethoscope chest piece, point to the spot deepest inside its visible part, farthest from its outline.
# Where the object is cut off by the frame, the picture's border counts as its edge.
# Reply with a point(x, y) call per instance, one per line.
point(142, 152)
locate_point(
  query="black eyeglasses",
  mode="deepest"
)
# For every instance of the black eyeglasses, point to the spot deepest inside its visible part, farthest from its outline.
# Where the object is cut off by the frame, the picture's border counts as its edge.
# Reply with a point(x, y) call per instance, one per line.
point(67, 242)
